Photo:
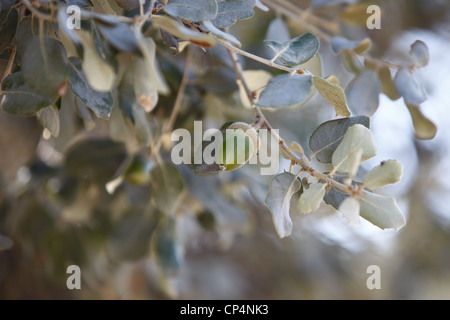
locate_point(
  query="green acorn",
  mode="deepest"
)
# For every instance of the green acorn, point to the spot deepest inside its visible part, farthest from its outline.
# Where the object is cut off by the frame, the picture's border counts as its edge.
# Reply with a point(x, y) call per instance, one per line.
point(240, 143)
point(138, 171)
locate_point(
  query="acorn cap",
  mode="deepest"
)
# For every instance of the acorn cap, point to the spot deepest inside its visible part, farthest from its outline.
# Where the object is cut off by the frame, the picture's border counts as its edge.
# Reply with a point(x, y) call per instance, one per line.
point(251, 131)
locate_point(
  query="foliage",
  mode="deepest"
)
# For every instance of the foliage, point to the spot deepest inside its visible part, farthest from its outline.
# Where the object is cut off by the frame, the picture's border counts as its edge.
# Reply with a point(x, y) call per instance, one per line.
point(149, 67)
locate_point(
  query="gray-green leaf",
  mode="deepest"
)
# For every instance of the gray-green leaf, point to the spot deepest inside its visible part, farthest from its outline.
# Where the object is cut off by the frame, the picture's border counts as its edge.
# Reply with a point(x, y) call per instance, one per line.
point(350, 208)
point(285, 90)
point(166, 245)
point(49, 118)
point(340, 43)
point(229, 11)
point(387, 172)
point(409, 88)
point(363, 93)
point(278, 30)
point(278, 200)
point(357, 137)
point(99, 102)
point(420, 54)
point(295, 51)
point(177, 29)
point(122, 36)
point(19, 99)
point(381, 211)
point(326, 138)
point(192, 10)
point(44, 65)
point(311, 198)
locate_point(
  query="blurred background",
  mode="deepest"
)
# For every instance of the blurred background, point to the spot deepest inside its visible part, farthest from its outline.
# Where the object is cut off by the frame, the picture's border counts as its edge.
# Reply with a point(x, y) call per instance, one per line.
point(56, 210)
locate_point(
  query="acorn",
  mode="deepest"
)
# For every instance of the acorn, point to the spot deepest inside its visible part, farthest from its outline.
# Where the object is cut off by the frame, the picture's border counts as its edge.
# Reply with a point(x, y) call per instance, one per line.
point(138, 171)
point(242, 141)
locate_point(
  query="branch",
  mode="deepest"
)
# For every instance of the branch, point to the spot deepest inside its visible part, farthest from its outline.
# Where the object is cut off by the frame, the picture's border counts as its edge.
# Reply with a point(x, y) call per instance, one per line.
point(261, 119)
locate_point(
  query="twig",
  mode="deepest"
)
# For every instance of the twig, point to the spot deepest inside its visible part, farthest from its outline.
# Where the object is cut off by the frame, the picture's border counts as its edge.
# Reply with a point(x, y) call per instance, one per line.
point(12, 57)
point(177, 105)
point(10, 63)
point(309, 17)
point(303, 163)
point(294, 16)
point(181, 91)
point(36, 12)
point(269, 63)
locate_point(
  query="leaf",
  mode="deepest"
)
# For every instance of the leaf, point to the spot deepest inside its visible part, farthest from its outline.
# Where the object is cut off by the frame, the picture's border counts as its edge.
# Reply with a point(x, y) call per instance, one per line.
point(278, 30)
point(19, 99)
point(351, 63)
point(326, 138)
point(8, 25)
point(84, 114)
point(408, 87)
point(166, 184)
point(49, 118)
point(381, 211)
point(219, 33)
point(424, 128)
point(363, 93)
point(99, 74)
point(220, 80)
point(278, 200)
point(334, 94)
point(311, 198)
point(387, 172)
point(323, 3)
point(7, 4)
point(387, 84)
point(5, 243)
point(166, 245)
point(353, 161)
point(285, 90)
point(359, 46)
point(420, 54)
point(229, 11)
point(99, 102)
point(180, 31)
point(192, 10)
point(146, 72)
point(355, 14)
point(122, 36)
point(44, 66)
point(256, 80)
point(334, 197)
point(350, 208)
point(295, 147)
point(296, 51)
point(356, 137)
point(130, 106)
point(95, 160)
point(80, 3)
